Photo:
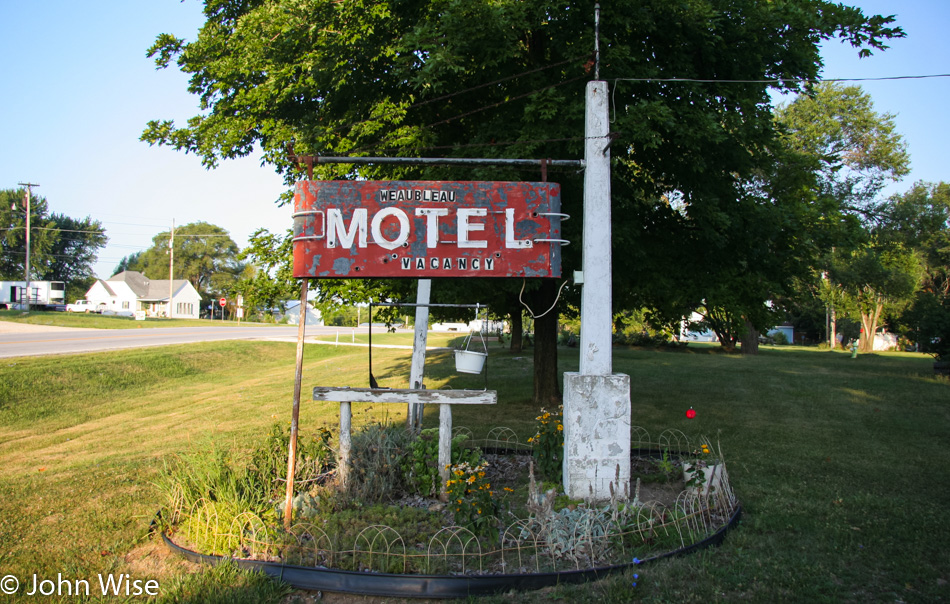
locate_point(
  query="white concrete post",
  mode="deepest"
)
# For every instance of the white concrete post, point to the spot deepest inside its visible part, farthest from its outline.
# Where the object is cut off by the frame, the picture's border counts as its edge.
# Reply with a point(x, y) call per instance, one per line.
point(596, 402)
point(597, 291)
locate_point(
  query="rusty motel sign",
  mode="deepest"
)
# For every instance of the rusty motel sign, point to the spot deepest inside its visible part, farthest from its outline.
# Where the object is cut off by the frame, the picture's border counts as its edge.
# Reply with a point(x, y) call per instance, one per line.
point(427, 229)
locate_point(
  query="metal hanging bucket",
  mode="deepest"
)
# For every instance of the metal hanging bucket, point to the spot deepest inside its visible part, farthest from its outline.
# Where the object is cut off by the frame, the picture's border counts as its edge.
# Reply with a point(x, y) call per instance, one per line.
point(472, 361)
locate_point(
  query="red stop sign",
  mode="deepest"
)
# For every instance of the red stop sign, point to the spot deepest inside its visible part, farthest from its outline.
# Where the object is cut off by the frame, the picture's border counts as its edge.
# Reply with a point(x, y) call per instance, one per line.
point(223, 301)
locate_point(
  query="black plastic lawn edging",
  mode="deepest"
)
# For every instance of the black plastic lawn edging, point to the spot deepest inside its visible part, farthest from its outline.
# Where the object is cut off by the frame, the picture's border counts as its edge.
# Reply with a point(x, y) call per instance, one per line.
point(433, 586)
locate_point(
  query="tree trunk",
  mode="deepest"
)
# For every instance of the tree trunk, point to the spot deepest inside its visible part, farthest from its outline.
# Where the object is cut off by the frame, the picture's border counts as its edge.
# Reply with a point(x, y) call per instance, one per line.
point(869, 328)
point(750, 339)
point(517, 331)
point(547, 387)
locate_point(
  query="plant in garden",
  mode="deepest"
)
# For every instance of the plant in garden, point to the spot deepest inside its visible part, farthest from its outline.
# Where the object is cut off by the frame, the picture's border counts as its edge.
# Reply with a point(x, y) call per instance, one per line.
point(548, 443)
point(694, 475)
point(376, 457)
point(472, 500)
point(420, 467)
point(314, 456)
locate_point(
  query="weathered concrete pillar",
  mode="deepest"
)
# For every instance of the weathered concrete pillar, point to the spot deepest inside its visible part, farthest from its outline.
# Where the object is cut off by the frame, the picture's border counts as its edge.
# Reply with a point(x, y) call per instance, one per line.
point(596, 401)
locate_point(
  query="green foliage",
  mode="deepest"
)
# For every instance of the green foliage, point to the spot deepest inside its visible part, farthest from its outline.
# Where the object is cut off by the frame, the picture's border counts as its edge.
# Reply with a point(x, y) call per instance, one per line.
point(879, 279)
point(420, 467)
point(472, 499)
point(855, 150)
point(548, 444)
point(376, 458)
point(314, 457)
point(270, 282)
point(928, 321)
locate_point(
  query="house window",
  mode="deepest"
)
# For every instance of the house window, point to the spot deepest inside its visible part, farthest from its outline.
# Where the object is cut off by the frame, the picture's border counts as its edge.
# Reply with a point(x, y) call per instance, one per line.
point(125, 305)
point(184, 308)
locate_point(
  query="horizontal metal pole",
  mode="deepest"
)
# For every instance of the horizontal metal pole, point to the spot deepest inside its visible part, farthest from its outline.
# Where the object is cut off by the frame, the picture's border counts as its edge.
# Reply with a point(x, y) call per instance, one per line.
point(447, 161)
point(428, 305)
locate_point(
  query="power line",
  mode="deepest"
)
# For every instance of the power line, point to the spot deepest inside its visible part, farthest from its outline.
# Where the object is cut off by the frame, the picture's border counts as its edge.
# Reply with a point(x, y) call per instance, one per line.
point(784, 80)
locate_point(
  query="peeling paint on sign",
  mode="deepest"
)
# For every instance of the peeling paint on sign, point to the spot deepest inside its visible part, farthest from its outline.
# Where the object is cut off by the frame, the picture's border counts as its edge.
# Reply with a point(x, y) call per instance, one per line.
point(426, 229)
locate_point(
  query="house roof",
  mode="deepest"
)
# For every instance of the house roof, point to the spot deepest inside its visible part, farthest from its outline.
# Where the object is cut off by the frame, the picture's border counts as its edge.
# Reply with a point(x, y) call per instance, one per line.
point(145, 289)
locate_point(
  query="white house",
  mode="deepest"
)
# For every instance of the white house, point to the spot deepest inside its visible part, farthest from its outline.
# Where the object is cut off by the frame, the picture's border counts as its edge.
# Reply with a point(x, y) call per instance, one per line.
point(314, 316)
point(131, 291)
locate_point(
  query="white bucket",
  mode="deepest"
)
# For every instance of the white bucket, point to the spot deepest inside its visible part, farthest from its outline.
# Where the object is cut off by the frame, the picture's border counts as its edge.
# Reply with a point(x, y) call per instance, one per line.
point(469, 361)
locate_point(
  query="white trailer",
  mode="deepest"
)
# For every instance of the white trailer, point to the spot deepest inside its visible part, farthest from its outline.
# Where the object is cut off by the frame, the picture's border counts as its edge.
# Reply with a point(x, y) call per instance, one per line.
point(42, 295)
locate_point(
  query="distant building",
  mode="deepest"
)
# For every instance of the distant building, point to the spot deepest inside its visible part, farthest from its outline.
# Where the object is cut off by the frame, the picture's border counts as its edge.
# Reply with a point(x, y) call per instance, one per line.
point(292, 313)
point(130, 291)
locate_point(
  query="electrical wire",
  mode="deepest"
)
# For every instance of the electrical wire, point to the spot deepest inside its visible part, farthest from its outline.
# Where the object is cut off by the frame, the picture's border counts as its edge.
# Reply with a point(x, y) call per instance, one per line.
point(531, 312)
point(784, 80)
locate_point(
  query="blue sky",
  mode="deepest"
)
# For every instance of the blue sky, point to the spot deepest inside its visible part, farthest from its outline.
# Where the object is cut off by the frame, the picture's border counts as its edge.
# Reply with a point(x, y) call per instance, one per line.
point(78, 90)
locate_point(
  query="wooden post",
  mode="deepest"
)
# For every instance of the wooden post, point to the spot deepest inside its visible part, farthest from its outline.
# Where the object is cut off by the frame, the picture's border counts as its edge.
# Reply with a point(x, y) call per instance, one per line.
point(417, 367)
point(443, 398)
point(445, 445)
point(343, 463)
point(295, 414)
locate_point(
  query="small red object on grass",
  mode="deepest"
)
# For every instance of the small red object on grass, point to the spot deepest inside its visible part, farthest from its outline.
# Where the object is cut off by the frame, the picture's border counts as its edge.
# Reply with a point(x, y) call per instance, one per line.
point(690, 413)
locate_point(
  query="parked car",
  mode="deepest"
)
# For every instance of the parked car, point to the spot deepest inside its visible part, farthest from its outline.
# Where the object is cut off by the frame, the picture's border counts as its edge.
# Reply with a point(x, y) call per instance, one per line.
point(81, 306)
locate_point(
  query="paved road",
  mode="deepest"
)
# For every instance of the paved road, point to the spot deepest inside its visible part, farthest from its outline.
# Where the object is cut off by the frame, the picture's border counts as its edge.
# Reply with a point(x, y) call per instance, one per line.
point(18, 340)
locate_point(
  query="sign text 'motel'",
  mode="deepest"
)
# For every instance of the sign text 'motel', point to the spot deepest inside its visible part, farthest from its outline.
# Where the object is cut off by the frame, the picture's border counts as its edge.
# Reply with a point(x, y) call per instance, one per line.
point(423, 229)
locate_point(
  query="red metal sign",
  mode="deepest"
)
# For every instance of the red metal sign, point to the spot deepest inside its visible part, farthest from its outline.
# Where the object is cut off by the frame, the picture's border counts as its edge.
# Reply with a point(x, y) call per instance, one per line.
point(223, 301)
point(425, 229)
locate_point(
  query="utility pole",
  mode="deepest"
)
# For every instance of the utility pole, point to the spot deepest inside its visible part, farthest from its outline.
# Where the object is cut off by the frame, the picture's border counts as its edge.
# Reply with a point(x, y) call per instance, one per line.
point(26, 272)
point(171, 268)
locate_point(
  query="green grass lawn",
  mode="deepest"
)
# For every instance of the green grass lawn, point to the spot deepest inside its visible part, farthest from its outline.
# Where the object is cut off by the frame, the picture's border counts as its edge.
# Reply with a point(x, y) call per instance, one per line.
point(842, 465)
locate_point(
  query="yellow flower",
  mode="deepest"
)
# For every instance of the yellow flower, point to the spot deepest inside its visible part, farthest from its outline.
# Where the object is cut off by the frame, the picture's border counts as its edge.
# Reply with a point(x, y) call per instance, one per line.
point(510, 490)
point(460, 501)
point(560, 428)
point(470, 480)
point(481, 475)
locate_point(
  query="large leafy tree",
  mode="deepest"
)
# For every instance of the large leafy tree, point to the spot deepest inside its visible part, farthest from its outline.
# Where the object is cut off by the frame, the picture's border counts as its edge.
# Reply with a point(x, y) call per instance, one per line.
point(62, 248)
point(856, 151)
point(852, 152)
point(880, 278)
point(205, 254)
point(691, 110)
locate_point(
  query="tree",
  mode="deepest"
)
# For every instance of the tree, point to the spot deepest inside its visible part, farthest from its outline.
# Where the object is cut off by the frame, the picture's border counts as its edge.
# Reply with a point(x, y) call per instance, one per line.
point(852, 152)
point(73, 253)
point(271, 282)
point(470, 78)
point(920, 220)
point(879, 277)
point(205, 254)
point(856, 150)
point(13, 241)
point(61, 248)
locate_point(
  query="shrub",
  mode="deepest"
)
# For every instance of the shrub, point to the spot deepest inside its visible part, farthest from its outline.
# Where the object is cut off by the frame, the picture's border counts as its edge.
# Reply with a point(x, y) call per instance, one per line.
point(376, 458)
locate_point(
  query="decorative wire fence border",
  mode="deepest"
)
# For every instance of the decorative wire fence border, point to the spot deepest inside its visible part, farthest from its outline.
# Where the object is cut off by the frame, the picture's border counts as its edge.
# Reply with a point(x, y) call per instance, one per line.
point(582, 543)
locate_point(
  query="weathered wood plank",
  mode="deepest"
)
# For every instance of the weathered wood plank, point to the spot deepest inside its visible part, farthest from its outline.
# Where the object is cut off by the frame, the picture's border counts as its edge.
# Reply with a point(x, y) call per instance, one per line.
point(405, 395)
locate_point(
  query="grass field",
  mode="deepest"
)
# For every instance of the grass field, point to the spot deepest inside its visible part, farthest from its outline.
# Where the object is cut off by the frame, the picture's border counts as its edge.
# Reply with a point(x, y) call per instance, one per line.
point(842, 465)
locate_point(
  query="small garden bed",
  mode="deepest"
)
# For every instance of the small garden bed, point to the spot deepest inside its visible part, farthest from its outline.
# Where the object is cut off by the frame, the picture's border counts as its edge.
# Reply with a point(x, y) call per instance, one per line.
point(497, 518)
